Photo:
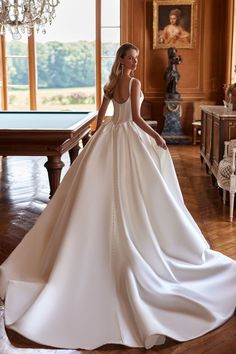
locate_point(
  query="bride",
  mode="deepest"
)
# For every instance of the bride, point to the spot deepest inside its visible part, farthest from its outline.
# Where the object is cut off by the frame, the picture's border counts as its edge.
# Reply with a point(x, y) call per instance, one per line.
point(116, 257)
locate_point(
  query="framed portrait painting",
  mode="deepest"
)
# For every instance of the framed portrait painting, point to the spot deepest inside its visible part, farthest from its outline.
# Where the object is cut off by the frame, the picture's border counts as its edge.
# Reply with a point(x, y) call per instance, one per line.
point(174, 23)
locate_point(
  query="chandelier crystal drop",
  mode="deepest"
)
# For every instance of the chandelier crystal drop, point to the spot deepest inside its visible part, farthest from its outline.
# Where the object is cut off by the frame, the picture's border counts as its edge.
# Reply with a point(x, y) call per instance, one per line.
point(20, 16)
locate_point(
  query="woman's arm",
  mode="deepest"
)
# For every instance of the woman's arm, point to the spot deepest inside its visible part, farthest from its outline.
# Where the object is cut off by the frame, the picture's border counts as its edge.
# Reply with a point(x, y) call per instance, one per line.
point(135, 106)
point(102, 111)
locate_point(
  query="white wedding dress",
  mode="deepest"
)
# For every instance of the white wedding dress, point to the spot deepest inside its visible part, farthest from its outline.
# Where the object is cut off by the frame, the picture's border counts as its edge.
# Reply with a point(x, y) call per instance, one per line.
point(116, 257)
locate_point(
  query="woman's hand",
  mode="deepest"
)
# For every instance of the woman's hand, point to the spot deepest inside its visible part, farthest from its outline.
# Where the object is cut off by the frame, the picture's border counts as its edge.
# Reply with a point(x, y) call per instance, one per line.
point(161, 142)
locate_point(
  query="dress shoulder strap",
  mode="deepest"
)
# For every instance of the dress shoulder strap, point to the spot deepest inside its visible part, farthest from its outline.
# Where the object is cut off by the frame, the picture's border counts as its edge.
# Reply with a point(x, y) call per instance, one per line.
point(130, 84)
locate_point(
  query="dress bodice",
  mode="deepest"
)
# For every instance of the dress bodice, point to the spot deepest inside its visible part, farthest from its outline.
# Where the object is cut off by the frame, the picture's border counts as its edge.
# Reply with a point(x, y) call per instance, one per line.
point(122, 111)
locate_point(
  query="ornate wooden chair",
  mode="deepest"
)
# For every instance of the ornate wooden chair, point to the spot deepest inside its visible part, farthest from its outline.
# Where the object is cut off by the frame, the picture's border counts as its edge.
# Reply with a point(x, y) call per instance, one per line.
point(226, 177)
point(146, 113)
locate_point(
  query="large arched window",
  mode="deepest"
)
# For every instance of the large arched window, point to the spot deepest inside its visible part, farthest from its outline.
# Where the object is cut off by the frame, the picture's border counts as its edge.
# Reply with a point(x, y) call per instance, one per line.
point(65, 68)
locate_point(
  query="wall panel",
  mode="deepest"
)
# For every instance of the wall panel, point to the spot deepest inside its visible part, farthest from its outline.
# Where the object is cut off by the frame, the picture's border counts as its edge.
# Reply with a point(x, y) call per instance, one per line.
point(203, 68)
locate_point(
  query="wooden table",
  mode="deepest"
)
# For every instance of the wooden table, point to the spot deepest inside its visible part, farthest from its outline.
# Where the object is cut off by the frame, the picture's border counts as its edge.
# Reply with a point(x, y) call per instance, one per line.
point(48, 134)
point(218, 125)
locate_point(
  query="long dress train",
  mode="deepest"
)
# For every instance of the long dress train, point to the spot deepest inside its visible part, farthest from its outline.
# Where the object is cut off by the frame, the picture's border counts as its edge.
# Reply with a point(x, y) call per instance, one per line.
point(116, 257)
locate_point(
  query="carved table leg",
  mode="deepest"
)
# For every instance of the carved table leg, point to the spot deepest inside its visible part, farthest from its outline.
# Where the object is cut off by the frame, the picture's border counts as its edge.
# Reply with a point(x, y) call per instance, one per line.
point(73, 153)
point(54, 166)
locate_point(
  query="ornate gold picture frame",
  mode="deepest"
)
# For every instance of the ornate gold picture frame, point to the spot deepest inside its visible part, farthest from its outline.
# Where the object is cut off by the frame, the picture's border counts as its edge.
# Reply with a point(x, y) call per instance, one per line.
point(174, 23)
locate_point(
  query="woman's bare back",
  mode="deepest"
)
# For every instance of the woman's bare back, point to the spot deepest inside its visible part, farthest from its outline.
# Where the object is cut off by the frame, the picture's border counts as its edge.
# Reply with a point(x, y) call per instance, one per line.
point(121, 92)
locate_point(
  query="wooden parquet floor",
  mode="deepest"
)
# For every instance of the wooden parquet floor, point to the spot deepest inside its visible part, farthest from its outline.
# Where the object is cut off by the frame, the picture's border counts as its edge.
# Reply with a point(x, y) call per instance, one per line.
point(24, 194)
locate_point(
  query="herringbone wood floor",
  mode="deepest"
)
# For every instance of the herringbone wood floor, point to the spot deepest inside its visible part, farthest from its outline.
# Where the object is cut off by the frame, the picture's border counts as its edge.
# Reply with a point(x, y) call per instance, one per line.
point(24, 194)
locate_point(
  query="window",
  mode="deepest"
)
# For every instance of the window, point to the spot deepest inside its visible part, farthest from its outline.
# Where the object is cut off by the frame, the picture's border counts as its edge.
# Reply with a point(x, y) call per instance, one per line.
point(59, 70)
point(66, 59)
point(17, 74)
point(110, 34)
point(110, 38)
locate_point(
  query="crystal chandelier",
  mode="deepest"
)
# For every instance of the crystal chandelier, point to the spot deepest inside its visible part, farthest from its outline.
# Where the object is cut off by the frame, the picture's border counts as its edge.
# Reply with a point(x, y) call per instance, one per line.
point(20, 16)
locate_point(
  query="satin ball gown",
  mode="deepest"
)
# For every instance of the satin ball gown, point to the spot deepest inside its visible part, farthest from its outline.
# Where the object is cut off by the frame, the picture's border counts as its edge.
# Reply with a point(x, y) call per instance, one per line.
point(116, 257)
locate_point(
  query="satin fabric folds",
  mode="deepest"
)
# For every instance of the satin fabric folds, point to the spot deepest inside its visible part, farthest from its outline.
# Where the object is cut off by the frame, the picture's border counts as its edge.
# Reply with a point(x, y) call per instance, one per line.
point(116, 257)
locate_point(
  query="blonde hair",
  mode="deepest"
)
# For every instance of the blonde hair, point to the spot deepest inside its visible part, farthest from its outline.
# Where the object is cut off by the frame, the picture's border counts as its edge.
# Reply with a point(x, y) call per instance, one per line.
point(116, 69)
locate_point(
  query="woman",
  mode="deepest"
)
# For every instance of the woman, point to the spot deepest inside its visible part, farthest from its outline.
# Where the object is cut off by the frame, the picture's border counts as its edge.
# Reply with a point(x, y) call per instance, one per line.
point(119, 88)
point(173, 33)
point(116, 257)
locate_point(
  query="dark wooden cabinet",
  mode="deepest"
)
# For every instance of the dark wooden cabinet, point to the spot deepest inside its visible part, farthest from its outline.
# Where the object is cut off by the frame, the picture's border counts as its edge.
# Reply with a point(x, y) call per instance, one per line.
point(218, 125)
